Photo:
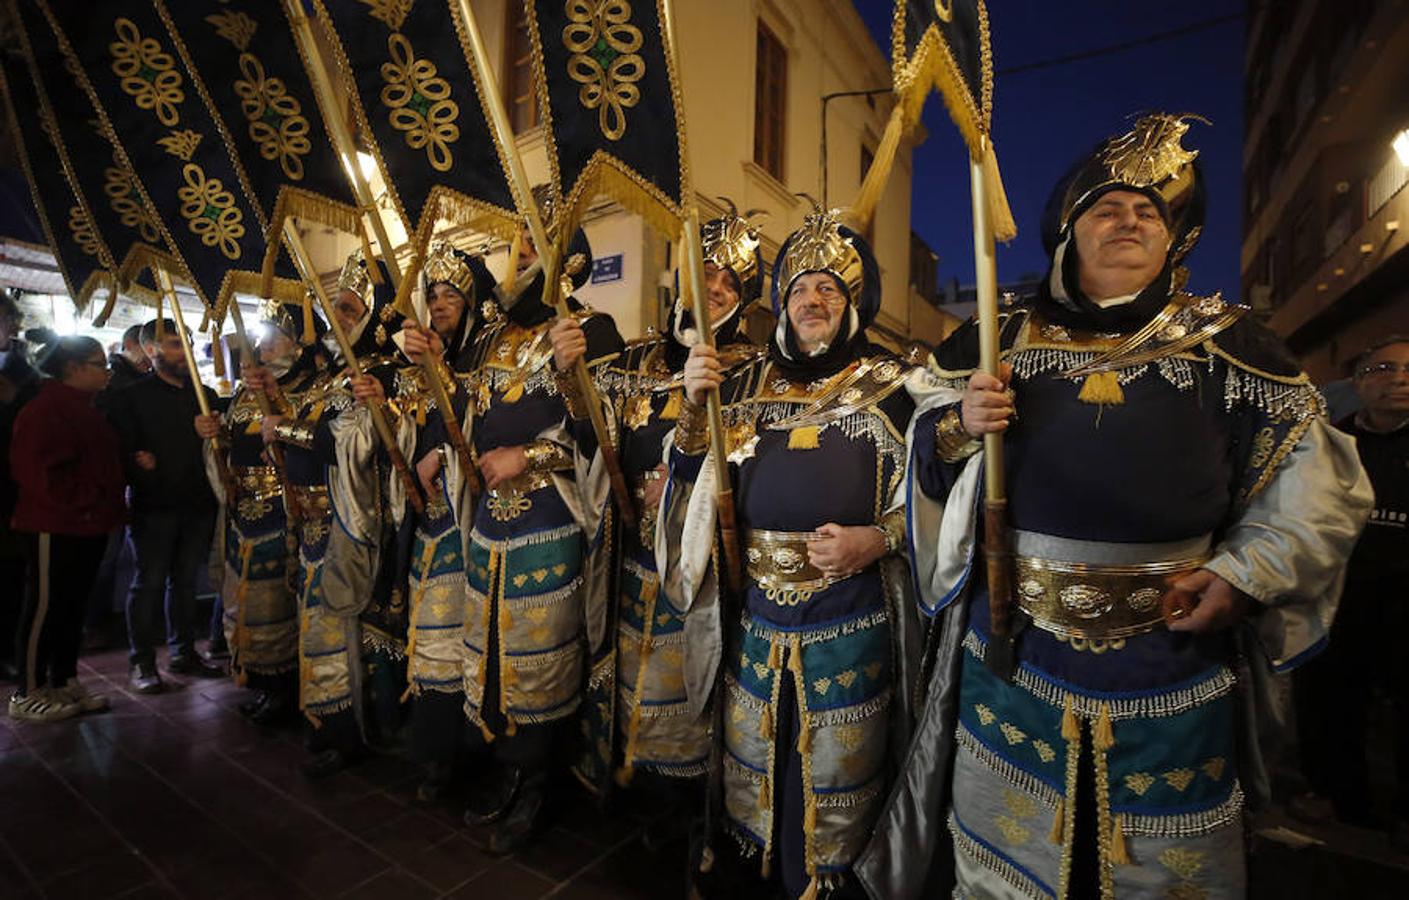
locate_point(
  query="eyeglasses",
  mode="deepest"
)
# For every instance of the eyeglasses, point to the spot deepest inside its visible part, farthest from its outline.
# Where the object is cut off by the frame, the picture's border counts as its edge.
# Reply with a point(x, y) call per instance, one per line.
point(96, 363)
point(1382, 369)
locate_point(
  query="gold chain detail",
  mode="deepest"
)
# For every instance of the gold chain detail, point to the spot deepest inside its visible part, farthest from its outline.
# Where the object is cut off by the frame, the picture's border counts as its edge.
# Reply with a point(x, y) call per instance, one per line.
point(147, 73)
point(276, 121)
point(418, 103)
point(209, 211)
point(603, 44)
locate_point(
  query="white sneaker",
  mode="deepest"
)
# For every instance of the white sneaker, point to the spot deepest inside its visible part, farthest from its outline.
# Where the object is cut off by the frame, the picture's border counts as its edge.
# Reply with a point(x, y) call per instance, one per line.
point(73, 691)
point(41, 706)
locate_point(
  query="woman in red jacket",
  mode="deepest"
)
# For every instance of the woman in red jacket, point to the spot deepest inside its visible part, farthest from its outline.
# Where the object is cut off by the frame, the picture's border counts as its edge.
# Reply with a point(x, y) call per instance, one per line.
point(66, 460)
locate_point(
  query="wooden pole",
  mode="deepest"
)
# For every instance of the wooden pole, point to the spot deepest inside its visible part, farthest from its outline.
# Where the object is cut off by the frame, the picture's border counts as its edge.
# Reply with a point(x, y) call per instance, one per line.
point(169, 291)
point(379, 422)
point(346, 147)
point(996, 550)
point(550, 254)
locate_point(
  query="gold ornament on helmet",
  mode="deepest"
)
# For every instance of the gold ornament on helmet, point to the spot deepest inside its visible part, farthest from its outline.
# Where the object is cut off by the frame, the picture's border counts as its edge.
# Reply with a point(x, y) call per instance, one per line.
point(356, 277)
point(1148, 157)
point(445, 264)
point(731, 242)
point(819, 246)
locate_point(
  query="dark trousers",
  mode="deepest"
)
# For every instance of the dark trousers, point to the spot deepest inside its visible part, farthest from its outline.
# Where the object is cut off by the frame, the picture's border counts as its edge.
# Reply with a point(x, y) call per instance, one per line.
point(61, 572)
point(1369, 648)
point(170, 547)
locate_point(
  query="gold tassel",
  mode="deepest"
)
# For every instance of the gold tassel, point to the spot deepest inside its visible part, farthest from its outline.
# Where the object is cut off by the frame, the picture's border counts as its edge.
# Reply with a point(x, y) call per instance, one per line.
point(1058, 820)
point(1071, 727)
point(811, 892)
point(514, 393)
point(217, 354)
point(672, 405)
point(1102, 738)
point(109, 304)
point(765, 724)
point(1103, 389)
point(765, 798)
point(624, 775)
point(807, 437)
point(1000, 215)
point(308, 325)
point(1120, 854)
point(874, 185)
point(266, 273)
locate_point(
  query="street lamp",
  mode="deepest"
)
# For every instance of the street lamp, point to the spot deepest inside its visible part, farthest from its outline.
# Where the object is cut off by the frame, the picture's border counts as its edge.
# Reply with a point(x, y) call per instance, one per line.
point(1401, 146)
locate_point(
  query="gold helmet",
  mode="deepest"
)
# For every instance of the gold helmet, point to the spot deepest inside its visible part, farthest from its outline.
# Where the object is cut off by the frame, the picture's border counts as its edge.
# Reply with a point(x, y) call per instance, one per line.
point(731, 242)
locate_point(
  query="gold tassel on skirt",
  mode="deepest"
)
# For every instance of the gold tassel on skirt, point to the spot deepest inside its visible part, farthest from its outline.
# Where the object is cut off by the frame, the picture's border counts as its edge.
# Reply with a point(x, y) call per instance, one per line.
point(1102, 389)
point(806, 437)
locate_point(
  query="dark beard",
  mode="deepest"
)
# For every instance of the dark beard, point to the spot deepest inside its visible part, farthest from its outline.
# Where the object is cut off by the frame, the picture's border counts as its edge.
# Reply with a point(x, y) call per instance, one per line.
point(172, 370)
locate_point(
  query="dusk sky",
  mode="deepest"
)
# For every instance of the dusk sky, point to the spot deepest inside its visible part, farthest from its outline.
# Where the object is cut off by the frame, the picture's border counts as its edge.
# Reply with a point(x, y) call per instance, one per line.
point(1043, 119)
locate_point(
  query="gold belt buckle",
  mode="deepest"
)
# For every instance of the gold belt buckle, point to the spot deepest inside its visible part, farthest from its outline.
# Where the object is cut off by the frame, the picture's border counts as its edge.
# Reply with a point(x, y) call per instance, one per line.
point(777, 561)
point(1095, 602)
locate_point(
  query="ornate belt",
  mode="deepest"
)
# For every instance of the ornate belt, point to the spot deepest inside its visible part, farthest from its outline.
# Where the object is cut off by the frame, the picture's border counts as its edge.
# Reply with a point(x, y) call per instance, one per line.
point(777, 562)
point(1099, 600)
point(259, 482)
point(510, 500)
point(311, 501)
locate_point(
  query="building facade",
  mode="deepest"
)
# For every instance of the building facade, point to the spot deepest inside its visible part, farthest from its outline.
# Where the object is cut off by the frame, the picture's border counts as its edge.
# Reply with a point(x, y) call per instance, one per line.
point(1325, 255)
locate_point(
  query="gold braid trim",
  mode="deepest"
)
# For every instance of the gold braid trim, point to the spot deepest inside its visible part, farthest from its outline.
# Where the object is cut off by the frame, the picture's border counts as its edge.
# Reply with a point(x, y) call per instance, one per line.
point(297, 432)
point(571, 392)
point(952, 443)
point(691, 432)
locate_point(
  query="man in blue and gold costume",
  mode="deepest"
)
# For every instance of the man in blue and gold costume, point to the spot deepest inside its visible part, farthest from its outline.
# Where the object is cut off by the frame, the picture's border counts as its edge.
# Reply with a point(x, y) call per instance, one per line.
point(1180, 518)
point(640, 725)
point(535, 542)
point(261, 619)
point(816, 434)
point(352, 616)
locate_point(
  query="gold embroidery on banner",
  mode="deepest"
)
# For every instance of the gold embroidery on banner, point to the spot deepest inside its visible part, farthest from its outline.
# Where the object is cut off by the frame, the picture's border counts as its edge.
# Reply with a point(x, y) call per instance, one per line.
point(235, 27)
point(418, 103)
point(81, 228)
point(276, 121)
point(603, 44)
point(209, 211)
point(944, 9)
point(391, 12)
point(125, 200)
point(147, 73)
point(181, 144)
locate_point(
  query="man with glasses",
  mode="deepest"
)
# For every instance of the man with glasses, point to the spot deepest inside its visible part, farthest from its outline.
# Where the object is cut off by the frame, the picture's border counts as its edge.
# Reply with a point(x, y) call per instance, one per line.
point(1367, 642)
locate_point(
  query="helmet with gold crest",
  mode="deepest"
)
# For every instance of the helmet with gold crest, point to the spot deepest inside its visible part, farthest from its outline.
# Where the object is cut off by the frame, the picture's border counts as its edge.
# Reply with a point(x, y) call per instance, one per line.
point(827, 245)
point(466, 275)
point(730, 244)
point(369, 284)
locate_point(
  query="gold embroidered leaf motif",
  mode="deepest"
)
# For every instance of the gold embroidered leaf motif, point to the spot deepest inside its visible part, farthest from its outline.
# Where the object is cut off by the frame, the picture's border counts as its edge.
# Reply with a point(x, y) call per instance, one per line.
point(873, 670)
point(181, 144)
point(1183, 862)
point(147, 74)
point(539, 635)
point(737, 714)
point(603, 44)
point(440, 592)
point(850, 737)
point(560, 569)
point(1179, 778)
point(418, 103)
point(846, 678)
point(391, 12)
point(761, 670)
point(1214, 767)
point(1044, 751)
point(1019, 804)
point(537, 615)
point(439, 611)
point(822, 685)
point(520, 579)
point(1012, 733)
point(539, 575)
point(1015, 834)
point(663, 619)
point(985, 715)
point(235, 27)
point(1139, 782)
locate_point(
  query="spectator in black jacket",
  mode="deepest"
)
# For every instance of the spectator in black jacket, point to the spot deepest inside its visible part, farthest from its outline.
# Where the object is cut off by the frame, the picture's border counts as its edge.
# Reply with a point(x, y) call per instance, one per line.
point(19, 381)
point(1369, 645)
point(173, 509)
point(130, 363)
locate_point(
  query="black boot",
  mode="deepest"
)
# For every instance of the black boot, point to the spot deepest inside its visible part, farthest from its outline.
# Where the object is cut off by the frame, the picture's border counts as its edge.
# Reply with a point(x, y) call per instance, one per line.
point(276, 709)
point(436, 783)
point(523, 820)
point(494, 801)
point(250, 708)
point(326, 763)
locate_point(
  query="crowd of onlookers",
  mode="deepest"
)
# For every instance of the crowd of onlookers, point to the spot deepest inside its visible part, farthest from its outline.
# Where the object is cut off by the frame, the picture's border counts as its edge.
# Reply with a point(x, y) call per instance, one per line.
point(103, 471)
point(103, 474)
